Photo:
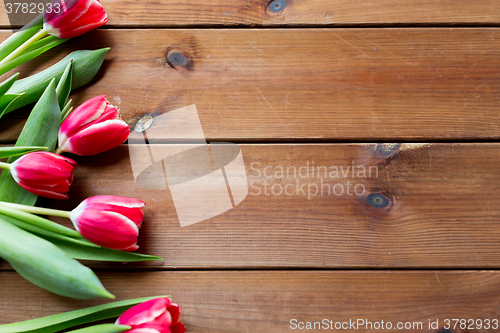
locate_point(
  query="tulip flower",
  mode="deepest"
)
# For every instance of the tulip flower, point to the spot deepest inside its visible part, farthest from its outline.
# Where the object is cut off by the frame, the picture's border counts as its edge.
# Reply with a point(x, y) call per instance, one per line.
point(72, 18)
point(105, 220)
point(65, 19)
point(45, 174)
point(109, 221)
point(158, 315)
point(92, 128)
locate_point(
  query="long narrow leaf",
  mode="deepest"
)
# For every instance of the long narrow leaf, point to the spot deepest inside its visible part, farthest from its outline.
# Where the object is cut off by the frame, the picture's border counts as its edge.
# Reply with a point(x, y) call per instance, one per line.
point(64, 86)
point(101, 254)
point(18, 38)
point(66, 111)
point(40, 129)
point(65, 320)
point(33, 51)
point(48, 235)
point(39, 221)
point(16, 151)
point(103, 328)
point(46, 266)
point(5, 85)
point(86, 64)
point(7, 101)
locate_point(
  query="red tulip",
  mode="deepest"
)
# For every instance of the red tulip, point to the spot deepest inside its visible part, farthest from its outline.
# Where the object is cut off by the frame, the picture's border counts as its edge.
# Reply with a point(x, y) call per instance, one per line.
point(72, 18)
point(158, 315)
point(45, 174)
point(109, 221)
point(92, 128)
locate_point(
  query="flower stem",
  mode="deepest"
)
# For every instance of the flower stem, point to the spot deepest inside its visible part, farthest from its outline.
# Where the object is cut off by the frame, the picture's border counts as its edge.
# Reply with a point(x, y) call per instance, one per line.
point(24, 46)
point(4, 165)
point(37, 210)
point(59, 151)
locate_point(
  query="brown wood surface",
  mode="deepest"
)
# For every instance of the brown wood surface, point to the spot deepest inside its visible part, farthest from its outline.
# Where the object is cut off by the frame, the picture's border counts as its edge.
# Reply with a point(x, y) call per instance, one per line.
point(297, 78)
point(172, 13)
point(250, 301)
point(442, 211)
point(304, 84)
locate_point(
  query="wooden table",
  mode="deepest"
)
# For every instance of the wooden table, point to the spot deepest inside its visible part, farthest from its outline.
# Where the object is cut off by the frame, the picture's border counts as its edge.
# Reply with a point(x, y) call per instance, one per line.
point(292, 82)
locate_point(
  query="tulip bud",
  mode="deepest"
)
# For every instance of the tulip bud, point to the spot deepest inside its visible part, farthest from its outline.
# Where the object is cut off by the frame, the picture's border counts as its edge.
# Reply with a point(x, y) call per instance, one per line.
point(45, 174)
point(92, 128)
point(109, 221)
point(158, 315)
point(72, 18)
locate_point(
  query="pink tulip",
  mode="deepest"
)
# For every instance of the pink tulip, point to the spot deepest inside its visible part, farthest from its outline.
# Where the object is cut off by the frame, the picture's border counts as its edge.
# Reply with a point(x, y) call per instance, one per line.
point(72, 18)
point(109, 221)
point(45, 174)
point(92, 128)
point(158, 315)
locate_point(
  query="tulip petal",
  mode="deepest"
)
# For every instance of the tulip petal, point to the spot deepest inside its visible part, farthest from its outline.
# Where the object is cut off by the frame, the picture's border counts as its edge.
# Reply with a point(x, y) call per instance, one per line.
point(160, 323)
point(105, 228)
point(82, 115)
point(144, 312)
point(175, 312)
point(142, 330)
point(81, 17)
point(84, 25)
point(61, 187)
point(65, 7)
point(116, 201)
point(44, 193)
point(136, 215)
point(178, 328)
point(129, 207)
point(131, 248)
point(70, 11)
point(98, 138)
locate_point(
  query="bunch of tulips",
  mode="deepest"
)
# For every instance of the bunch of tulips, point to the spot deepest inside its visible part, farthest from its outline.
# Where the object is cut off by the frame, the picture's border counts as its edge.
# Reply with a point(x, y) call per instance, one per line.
point(92, 128)
point(107, 227)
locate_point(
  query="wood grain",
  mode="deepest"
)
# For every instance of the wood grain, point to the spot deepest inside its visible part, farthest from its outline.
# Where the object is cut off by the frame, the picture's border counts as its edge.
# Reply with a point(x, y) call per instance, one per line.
point(173, 13)
point(304, 84)
point(431, 206)
point(252, 301)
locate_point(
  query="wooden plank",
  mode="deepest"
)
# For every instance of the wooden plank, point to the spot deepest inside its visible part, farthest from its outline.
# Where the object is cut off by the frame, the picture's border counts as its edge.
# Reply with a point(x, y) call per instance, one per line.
point(172, 13)
point(442, 208)
point(307, 84)
point(249, 301)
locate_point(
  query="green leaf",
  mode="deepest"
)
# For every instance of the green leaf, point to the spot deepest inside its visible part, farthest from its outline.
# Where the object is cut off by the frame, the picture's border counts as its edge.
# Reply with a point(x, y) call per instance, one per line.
point(48, 234)
point(102, 254)
point(16, 151)
point(6, 102)
point(18, 38)
point(40, 129)
point(103, 328)
point(85, 67)
point(33, 51)
point(65, 320)
point(46, 266)
point(68, 240)
point(39, 222)
point(64, 86)
point(5, 85)
point(66, 111)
